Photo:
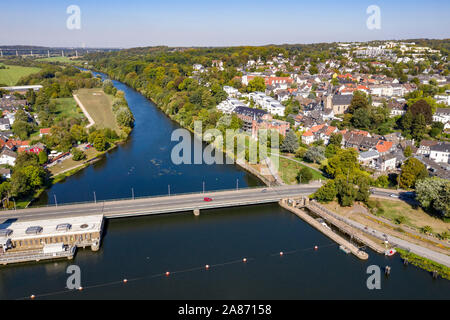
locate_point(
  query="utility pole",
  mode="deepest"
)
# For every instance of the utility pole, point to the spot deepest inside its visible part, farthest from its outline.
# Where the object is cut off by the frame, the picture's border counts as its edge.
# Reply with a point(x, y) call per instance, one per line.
point(56, 202)
point(237, 184)
point(48, 53)
point(62, 53)
point(132, 193)
point(168, 187)
point(95, 198)
point(203, 186)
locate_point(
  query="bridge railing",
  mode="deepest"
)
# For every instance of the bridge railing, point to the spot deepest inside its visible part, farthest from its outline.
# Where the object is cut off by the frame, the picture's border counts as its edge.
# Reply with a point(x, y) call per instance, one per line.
point(101, 202)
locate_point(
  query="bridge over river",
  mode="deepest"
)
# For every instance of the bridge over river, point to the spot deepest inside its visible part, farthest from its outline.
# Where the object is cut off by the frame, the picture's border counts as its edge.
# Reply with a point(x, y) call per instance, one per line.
point(165, 204)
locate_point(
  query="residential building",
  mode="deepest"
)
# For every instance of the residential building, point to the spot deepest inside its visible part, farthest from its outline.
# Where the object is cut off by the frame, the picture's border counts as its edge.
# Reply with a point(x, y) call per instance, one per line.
point(440, 152)
point(8, 157)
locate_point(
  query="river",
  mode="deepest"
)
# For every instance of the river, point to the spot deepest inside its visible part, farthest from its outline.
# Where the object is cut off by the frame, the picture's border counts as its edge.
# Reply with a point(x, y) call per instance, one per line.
point(142, 249)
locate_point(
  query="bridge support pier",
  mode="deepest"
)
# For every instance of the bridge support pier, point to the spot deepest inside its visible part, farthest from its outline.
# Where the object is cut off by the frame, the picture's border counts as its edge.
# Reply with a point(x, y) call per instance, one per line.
point(196, 212)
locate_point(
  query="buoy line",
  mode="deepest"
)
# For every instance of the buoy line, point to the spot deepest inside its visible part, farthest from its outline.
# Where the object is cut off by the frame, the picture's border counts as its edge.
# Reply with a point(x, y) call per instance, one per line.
point(166, 274)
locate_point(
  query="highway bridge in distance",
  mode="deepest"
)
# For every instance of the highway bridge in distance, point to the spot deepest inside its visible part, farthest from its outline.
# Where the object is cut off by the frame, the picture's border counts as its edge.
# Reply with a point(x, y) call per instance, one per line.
point(165, 204)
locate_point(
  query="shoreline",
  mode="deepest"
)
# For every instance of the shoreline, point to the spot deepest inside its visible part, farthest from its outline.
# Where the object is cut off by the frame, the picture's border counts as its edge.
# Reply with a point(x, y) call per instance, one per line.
point(72, 171)
point(244, 166)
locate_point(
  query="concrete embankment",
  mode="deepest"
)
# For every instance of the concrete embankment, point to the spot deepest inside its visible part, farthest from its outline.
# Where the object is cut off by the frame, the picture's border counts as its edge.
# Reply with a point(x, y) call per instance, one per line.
point(329, 233)
point(343, 227)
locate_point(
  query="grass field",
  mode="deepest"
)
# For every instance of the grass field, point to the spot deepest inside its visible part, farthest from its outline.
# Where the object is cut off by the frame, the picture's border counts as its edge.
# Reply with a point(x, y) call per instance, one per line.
point(414, 217)
point(289, 169)
point(12, 74)
point(57, 59)
point(67, 108)
point(99, 107)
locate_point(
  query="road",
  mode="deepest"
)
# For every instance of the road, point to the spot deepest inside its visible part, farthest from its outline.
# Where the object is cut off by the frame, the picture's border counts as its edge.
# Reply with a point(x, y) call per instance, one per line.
point(164, 204)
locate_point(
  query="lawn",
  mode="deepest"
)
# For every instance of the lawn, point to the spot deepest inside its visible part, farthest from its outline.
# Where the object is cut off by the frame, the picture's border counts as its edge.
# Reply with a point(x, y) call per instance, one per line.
point(414, 217)
point(289, 169)
point(67, 108)
point(12, 74)
point(58, 59)
point(99, 107)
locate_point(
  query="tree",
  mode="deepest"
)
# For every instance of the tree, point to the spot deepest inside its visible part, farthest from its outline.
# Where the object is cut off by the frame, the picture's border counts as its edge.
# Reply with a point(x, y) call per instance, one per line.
point(77, 154)
point(315, 154)
point(359, 100)
point(326, 193)
point(335, 139)
point(125, 118)
point(345, 162)
point(346, 192)
point(407, 152)
point(361, 118)
point(26, 179)
point(79, 133)
point(100, 143)
point(257, 84)
point(290, 143)
point(22, 129)
point(419, 127)
point(412, 171)
point(406, 122)
point(304, 175)
point(436, 129)
point(43, 157)
point(421, 107)
point(363, 192)
point(382, 181)
point(434, 194)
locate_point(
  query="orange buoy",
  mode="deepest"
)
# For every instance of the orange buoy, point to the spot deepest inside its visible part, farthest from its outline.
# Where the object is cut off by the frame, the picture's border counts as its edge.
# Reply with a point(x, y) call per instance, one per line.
point(207, 266)
point(32, 297)
point(244, 260)
point(80, 288)
point(167, 273)
point(281, 253)
point(125, 280)
point(316, 247)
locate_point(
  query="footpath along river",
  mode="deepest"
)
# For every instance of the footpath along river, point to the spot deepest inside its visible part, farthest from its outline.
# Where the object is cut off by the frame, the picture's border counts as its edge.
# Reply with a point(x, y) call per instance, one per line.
point(143, 249)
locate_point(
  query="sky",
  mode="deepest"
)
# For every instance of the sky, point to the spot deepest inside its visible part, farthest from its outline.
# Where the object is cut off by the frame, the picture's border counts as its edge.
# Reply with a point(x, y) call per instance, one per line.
point(135, 23)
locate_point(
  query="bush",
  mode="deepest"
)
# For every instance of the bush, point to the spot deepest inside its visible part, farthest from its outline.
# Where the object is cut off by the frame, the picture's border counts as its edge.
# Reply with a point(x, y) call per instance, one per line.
point(304, 175)
point(78, 154)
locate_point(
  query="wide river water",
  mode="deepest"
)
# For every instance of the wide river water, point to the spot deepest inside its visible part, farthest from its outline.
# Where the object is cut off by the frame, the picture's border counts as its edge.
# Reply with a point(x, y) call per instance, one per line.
point(142, 249)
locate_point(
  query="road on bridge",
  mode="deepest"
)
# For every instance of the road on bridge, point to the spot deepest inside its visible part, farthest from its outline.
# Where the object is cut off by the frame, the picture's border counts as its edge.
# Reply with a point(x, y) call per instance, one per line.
point(164, 204)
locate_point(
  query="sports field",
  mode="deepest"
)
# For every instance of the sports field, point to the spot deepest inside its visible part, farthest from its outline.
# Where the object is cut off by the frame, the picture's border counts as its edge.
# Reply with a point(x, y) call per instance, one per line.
point(12, 74)
point(99, 106)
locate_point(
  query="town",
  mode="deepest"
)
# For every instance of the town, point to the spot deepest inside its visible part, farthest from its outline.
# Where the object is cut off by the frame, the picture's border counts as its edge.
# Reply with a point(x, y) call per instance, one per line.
point(363, 137)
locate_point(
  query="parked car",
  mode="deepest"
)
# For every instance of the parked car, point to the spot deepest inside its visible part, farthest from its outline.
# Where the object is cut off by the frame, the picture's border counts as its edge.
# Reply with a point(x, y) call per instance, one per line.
point(207, 199)
point(393, 195)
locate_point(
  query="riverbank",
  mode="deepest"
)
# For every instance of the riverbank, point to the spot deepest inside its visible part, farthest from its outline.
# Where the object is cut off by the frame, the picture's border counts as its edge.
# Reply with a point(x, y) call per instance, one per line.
point(326, 231)
point(95, 104)
point(425, 264)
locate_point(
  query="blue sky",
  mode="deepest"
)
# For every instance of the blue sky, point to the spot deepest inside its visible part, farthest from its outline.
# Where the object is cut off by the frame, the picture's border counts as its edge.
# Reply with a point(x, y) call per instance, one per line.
point(131, 23)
